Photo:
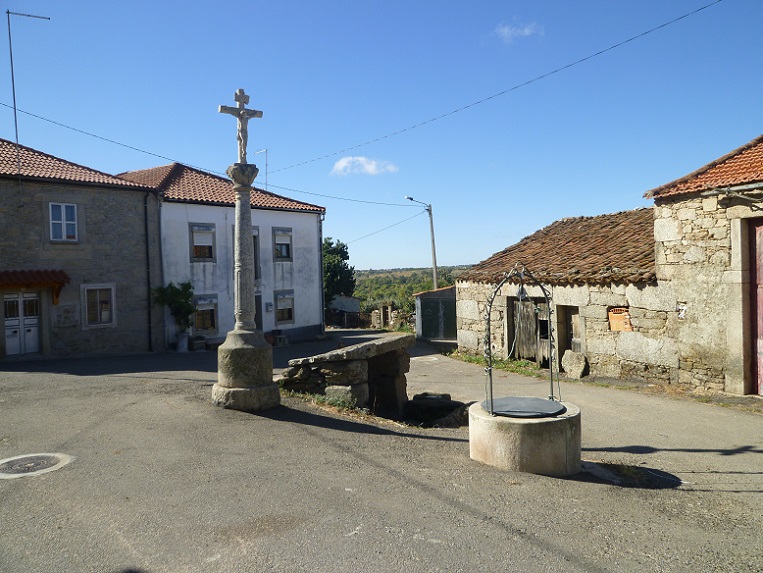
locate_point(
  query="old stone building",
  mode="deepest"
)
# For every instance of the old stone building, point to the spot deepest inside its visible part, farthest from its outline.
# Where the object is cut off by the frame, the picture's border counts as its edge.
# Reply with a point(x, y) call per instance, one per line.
point(77, 263)
point(605, 302)
point(708, 232)
point(668, 294)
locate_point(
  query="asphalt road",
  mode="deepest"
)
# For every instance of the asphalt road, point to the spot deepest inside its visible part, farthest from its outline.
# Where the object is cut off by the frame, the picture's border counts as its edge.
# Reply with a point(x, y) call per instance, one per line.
point(164, 482)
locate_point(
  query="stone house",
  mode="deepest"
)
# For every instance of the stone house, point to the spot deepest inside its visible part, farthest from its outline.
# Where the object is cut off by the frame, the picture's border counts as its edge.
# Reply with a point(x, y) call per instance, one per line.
point(669, 294)
point(197, 213)
point(77, 267)
point(600, 273)
point(708, 230)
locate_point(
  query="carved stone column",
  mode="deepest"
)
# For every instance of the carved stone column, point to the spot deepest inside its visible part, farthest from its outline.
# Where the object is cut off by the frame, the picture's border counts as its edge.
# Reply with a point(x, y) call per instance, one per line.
point(245, 359)
point(243, 175)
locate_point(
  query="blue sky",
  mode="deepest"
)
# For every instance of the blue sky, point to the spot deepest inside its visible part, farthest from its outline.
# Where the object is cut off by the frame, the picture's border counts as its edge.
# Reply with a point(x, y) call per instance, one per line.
point(333, 75)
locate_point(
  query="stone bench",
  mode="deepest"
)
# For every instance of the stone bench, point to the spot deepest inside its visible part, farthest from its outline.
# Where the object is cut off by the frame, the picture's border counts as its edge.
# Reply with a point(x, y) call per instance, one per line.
point(370, 374)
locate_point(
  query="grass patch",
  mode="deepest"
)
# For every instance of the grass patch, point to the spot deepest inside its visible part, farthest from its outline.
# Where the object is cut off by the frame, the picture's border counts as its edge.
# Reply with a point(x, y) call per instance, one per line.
point(523, 367)
point(338, 405)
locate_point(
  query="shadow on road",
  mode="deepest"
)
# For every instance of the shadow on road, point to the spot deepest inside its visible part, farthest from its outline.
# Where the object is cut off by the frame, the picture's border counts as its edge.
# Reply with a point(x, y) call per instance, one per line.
point(284, 413)
point(621, 475)
point(652, 450)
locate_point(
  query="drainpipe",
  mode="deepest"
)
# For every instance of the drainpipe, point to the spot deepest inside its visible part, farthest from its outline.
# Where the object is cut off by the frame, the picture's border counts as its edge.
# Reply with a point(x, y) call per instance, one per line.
point(148, 275)
point(321, 217)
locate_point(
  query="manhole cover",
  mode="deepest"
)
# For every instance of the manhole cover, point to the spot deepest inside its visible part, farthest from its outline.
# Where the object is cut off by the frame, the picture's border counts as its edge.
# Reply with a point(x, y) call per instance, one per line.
point(32, 465)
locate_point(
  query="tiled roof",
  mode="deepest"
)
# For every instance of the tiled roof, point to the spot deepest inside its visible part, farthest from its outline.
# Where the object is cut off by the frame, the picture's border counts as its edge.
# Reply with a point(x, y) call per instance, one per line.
point(33, 278)
point(189, 185)
point(580, 250)
point(740, 167)
point(38, 165)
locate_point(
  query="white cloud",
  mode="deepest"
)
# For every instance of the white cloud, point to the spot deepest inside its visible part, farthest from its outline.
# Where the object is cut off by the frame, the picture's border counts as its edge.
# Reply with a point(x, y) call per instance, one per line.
point(509, 33)
point(347, 165)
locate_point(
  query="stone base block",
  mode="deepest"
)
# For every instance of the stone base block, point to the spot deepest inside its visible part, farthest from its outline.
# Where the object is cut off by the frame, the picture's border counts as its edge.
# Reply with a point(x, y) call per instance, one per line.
point(357, 393)
point(244, 360)
point(544, 446)
point(245, 373)
point(251, 399)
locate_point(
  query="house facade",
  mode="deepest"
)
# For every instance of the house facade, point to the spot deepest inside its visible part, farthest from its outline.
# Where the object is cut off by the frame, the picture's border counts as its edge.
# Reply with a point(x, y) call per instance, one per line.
point(708, 231)
point(671, 294)
point(77, 267)
point(197, 230)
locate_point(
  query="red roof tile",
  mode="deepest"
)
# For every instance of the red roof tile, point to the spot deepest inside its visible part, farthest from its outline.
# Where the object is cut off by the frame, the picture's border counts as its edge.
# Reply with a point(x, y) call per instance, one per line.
point(740, 167)
point(617, 248)
point(33, 278)
point(38, 165)
point(189, 185)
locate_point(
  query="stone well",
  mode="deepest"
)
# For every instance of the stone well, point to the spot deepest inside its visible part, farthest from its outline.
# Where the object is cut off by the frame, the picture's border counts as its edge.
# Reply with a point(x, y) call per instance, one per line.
point(546, 446)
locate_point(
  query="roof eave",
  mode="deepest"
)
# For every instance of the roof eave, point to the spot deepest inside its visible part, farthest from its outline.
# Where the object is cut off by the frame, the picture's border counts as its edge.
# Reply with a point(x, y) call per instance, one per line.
point(126, 187)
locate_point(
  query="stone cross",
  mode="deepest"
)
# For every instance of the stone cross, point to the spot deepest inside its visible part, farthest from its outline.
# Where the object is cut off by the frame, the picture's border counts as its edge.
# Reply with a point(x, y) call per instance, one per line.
point(242, 114)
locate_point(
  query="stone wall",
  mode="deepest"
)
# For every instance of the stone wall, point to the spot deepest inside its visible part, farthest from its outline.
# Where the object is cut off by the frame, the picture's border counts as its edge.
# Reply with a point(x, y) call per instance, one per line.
point(701, 250)
point(111, 250)
point(370, 374)
point(644, 353)
point(694, 326)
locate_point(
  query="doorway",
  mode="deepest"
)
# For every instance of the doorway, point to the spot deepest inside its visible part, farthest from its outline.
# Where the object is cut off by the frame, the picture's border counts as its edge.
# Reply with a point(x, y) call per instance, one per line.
point(22, 323)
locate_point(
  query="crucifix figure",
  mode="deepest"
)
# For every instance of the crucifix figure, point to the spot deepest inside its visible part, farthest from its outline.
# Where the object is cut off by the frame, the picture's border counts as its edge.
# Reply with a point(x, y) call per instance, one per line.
point(243, 115)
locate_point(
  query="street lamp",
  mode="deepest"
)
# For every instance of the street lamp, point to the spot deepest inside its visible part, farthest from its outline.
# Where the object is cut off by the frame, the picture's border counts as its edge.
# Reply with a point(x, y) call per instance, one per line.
point(431, 230)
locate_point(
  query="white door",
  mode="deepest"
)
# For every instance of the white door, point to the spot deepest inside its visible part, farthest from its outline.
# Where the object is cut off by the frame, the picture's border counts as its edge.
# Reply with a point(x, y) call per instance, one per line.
point(22, 323)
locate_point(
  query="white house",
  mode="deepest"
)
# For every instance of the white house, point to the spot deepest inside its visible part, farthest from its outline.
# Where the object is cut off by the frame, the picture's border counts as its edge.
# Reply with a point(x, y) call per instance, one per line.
point(197, 216)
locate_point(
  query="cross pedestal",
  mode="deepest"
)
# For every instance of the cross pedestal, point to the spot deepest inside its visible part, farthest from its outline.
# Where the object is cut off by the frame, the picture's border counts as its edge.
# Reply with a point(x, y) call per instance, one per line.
point(245, 359)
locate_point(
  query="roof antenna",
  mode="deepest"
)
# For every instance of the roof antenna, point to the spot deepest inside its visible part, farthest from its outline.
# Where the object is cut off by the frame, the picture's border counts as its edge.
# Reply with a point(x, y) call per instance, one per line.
point(13, 84)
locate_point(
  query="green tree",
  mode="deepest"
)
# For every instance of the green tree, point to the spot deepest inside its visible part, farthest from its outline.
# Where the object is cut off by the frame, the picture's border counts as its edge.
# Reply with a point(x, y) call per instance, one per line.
point(179, 300)
point(338, 275)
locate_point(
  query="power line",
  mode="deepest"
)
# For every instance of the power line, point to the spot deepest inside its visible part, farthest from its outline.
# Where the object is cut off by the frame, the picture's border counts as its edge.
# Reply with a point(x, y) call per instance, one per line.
point(341, 198)
point(504, 92)
point(406, 129)
point(170, 159)
point(385, 228)
point(106, 139)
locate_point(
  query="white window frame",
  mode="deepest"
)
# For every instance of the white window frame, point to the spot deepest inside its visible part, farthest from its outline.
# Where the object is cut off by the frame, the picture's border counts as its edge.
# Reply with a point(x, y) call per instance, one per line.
point(63, 221)
point(111, 322)
point(282, 236)
point(283, 297)
point(202, 229)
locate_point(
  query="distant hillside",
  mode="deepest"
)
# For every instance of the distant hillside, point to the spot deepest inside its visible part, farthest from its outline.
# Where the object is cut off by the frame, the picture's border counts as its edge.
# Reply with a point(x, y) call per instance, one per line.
point(376, 286)
point(453, 271)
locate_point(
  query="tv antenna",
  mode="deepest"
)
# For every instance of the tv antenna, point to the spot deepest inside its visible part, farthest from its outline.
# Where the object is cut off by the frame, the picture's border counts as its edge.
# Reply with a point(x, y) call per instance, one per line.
point(13, 81)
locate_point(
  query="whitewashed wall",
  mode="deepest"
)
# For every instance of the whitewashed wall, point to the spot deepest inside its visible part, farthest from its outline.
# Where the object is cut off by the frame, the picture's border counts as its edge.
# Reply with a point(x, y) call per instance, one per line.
point(302, 275)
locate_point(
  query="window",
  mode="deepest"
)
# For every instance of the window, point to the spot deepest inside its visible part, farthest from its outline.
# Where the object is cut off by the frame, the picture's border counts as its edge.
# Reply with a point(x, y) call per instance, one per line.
point(620, 320)
point(284, 307)
point(63, 222)
point(98, 305)
point(202, 243)
point(282, 244)
point(205, 317)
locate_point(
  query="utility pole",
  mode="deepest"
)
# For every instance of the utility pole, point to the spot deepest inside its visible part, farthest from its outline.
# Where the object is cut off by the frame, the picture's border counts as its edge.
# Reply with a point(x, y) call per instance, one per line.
point(431, 231)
